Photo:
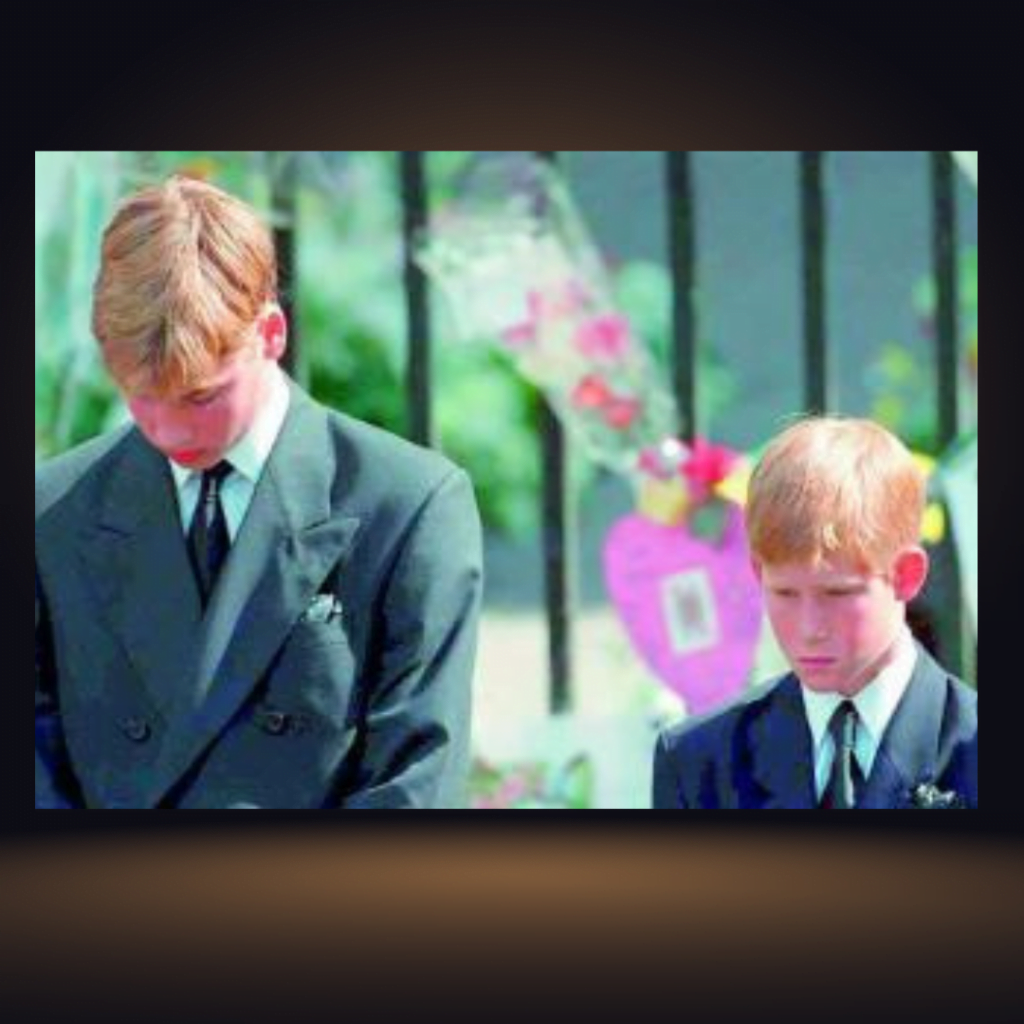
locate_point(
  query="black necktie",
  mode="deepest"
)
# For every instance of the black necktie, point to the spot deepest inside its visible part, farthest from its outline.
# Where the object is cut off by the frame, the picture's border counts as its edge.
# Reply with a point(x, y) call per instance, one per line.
point(843, 784)
point(208, 539)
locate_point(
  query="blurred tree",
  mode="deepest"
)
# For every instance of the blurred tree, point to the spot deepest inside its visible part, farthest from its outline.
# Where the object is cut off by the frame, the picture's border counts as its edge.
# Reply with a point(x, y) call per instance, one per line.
point(903, 383)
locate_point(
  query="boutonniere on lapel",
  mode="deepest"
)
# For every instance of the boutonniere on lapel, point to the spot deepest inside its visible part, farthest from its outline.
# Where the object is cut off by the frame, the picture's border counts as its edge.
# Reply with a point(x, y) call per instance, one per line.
point(323, 608)
point(926, 796)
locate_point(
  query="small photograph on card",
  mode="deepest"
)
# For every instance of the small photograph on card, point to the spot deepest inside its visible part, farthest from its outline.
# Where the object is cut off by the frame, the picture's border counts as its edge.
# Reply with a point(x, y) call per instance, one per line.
point(688, 604)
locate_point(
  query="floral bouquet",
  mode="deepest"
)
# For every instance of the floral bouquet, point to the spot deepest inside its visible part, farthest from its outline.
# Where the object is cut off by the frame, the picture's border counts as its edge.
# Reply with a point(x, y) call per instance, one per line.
point(517, 264)
point(519, 268)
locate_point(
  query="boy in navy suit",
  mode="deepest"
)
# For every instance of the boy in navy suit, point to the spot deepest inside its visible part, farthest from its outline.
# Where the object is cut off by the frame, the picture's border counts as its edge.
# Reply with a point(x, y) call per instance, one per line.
point(866, 718)
point(243, 600)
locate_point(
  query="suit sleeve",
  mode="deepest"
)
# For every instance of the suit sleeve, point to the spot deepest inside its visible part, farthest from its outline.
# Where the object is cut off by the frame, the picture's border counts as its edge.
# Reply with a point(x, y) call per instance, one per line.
point(416, 743)
point(667, 793)
point(56, 787)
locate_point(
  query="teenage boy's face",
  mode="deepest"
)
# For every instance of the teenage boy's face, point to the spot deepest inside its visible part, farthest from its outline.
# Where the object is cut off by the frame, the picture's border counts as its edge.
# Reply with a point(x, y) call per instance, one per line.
point(196, 429)
point(837, 624)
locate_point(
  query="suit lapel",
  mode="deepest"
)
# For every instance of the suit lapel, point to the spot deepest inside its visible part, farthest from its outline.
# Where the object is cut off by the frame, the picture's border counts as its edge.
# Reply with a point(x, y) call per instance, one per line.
point(781, 749)
point(910, 748)
point(289, 543)
point(134, 557)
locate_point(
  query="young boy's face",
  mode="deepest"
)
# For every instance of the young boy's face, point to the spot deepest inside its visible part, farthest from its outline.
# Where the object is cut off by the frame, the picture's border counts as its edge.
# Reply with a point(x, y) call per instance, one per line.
point(196, 429)
point(838, 624)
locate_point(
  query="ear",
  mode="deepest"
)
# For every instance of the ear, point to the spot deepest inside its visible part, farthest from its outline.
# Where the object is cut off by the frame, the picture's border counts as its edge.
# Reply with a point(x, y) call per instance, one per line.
point(910, 570)
point(273, 330)
point(756, 568)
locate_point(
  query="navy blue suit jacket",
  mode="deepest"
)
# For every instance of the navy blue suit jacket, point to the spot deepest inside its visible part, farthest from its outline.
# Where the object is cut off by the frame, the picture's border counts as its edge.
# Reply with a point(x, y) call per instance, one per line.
point(758, 752)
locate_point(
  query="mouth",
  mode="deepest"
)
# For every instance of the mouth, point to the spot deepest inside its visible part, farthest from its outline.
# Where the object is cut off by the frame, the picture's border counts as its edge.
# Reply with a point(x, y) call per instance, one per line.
point(186, 457)
point(816, 662)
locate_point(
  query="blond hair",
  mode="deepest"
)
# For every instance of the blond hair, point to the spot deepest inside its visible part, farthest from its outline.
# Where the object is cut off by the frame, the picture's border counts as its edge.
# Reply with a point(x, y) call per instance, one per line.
point(185, 271)
point(829, 486)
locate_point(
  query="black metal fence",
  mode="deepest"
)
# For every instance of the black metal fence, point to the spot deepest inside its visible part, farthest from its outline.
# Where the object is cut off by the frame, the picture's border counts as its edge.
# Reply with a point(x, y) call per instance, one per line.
point(558, 515)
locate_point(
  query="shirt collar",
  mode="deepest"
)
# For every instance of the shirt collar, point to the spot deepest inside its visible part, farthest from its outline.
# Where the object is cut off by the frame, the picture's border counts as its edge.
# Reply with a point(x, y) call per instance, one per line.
point(251, 452)
point(875, 703)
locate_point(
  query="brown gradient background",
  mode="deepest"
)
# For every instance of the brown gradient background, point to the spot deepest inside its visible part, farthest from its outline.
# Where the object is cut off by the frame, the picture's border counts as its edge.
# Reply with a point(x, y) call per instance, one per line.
point(694, 916)
point(712, 915)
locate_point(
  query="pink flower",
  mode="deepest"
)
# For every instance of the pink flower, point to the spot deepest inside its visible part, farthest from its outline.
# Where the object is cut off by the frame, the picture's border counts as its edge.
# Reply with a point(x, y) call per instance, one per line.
point(591, 393)
point(604, 337)
point(621, 413)
point(520, 336)
point(567, 298)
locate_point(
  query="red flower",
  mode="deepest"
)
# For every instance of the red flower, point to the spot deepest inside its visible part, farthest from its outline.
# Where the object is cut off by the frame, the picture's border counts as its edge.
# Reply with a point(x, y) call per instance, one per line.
point(707, 466)
point(618, 411)
point(591, 393)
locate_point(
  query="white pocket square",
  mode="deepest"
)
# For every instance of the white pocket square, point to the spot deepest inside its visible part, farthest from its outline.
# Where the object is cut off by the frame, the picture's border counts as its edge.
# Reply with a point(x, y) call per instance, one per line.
point(322, 608)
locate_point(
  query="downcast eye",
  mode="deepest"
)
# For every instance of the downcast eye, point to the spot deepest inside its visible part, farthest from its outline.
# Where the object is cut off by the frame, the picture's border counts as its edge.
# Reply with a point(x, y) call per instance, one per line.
point(205, 399)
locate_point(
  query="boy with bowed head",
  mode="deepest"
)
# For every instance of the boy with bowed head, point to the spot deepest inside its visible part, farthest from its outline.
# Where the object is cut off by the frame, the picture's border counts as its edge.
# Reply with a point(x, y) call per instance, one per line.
point(243, 599)
point(866, 718)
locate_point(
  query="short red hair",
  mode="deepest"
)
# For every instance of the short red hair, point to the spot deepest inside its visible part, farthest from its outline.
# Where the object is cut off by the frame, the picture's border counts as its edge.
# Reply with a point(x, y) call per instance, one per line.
point(832, 486)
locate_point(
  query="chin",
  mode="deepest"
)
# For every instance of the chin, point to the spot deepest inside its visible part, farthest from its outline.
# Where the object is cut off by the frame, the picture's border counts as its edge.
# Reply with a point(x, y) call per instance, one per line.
point(826, 682)
point(818, 685)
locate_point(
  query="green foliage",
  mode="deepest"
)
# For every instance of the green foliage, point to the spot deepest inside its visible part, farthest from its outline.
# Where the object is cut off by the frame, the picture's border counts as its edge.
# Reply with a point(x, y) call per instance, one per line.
point(351, 311)
point(487, 421)
point(242, 173)
point(903, 384)
point(74, 194)
point(349, 304)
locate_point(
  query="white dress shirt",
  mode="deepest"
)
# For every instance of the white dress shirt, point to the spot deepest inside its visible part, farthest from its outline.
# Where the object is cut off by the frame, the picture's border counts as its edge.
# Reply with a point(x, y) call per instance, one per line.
point(248, 457)
point(875, 706)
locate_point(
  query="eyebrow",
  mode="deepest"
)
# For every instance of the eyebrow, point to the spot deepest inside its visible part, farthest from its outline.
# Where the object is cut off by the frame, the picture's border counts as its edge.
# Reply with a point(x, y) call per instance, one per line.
point(849, 582)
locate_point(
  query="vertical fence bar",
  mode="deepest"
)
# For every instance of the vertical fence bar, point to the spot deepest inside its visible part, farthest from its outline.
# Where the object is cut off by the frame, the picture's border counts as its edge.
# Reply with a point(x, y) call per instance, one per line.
point(818, 392)
point(560, 535)
point(947, 320)
point(419, 376)
point(956, 639)
point(284, 186)
point(682, 255)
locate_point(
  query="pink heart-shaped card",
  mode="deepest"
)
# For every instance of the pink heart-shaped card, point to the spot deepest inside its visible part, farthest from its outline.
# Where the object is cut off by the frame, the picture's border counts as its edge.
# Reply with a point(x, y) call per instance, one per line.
point(692, 608)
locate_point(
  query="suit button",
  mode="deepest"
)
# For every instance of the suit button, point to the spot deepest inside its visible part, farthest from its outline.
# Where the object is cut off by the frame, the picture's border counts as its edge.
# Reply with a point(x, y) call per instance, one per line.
point(136, 729)
point(275, 722)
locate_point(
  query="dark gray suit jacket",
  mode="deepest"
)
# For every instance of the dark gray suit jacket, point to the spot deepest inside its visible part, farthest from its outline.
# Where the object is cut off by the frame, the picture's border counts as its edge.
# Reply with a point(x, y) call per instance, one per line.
point(141, 701)
point(757, 753)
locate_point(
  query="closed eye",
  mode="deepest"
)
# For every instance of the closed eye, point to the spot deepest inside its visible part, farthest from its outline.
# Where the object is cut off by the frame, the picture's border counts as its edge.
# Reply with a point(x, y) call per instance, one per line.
point(207, 398)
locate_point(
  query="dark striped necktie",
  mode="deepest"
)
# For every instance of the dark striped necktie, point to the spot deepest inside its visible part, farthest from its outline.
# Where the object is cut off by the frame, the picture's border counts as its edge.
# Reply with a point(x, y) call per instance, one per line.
point(846, 780)
point(208, 537)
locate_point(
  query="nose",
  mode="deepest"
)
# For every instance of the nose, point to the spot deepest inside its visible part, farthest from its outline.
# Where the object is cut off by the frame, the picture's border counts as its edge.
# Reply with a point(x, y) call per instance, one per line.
point(813, 625)
point(165, 431)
